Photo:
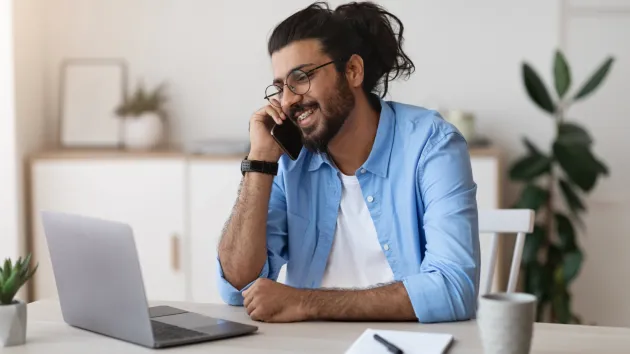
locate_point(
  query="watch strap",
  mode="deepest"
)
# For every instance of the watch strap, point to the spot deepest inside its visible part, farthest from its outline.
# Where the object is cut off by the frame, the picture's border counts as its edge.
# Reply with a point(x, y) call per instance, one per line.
point(266, 167)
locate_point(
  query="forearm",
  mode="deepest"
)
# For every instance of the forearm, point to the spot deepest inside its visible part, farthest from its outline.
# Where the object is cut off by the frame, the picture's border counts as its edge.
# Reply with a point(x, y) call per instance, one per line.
point(242, 249)
point(386, 303)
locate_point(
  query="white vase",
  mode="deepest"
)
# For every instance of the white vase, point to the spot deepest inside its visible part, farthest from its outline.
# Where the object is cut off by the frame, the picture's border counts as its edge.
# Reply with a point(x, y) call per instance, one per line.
point(143, 132)
point(13, 324)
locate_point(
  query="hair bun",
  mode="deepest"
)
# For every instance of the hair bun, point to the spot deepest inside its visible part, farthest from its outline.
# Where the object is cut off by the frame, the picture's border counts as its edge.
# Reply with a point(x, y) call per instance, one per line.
point(362, 28)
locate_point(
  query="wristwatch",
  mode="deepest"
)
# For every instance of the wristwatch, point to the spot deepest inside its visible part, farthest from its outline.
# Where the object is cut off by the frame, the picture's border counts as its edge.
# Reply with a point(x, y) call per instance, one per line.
point(266, 167)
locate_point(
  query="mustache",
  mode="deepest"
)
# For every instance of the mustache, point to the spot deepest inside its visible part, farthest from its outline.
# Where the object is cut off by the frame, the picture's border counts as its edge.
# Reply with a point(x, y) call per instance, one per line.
point(300, 107)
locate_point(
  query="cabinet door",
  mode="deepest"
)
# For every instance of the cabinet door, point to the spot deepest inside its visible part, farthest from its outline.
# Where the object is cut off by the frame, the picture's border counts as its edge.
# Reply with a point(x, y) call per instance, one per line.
point(147, 194)
point(213, 191)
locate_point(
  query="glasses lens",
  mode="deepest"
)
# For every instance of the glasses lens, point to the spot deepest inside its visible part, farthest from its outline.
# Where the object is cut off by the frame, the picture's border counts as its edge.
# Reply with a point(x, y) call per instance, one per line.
point(298, 82)
point(273, 93)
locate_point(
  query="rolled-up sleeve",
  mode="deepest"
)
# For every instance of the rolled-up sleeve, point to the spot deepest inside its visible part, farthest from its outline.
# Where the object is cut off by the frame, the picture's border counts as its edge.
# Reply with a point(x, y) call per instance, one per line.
point(276, 246)
point(446, 287)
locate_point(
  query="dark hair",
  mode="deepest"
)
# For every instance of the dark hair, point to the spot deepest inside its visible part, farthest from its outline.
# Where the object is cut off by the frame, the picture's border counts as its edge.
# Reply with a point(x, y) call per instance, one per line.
point(365, 29)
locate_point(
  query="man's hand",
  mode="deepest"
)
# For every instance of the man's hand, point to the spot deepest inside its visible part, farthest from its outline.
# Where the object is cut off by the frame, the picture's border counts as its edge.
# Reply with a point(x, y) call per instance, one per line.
point(270, 301)
point(263, 146)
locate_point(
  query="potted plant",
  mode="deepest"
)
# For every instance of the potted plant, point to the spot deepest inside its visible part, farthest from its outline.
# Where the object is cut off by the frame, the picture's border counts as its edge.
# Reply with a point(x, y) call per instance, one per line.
point(143, 114)
point(554, 183)
point(12, 311)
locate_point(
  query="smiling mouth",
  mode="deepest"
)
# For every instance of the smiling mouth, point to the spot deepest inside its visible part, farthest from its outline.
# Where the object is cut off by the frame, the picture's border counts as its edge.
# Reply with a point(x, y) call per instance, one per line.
point(305, 117)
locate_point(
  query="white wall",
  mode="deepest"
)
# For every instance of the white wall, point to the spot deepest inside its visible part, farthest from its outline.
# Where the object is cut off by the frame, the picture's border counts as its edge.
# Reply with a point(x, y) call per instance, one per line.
point(29, 79)
point(593, 30)
point(213, 53)
point(9, 245)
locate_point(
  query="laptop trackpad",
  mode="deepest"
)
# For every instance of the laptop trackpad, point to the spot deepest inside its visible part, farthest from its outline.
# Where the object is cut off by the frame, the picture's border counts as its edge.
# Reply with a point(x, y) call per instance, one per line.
point(190, 320)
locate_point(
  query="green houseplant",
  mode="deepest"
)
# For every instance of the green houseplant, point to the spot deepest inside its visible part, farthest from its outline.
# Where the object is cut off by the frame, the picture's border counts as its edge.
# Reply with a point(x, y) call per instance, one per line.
point(554, 183)
point(142, 101)
point(143, 113)
point(13, 312)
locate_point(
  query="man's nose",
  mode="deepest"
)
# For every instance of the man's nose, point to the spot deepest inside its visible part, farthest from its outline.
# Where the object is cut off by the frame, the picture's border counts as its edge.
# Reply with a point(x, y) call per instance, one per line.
point(289, 99)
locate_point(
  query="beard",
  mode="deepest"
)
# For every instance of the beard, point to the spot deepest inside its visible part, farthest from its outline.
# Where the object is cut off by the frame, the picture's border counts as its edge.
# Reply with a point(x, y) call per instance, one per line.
point(335, 110)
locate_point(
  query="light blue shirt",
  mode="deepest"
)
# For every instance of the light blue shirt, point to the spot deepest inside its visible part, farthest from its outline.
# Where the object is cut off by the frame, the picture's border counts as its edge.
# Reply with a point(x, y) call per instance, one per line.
point(419, 189)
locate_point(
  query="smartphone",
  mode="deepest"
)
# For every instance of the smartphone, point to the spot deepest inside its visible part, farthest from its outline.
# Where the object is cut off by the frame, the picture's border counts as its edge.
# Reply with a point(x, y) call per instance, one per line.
point(289, 137)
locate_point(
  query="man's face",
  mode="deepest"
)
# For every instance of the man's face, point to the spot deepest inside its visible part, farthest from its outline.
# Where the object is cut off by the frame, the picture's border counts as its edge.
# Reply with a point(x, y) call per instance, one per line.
point(321, 112)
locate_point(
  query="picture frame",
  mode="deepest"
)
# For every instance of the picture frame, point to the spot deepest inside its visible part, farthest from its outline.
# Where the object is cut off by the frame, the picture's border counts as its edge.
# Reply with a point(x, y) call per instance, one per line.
point(89, 92)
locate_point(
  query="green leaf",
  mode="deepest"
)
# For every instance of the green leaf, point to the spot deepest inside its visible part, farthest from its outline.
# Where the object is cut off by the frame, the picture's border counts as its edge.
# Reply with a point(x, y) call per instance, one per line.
point(530, 167)
point(571, 265)
point(25, 268)
point(532, 244)
point(9, 289)
point(554, 255)
point(532, 197)
point(566, 232)
point(531, 148)
point(538, 283)
point(30, 274)
point(578, 163)
point(571, 133)
point(562, 74)
point(534, 283)
point(601, 167)
point(7, 269)
point(595, 80)
point(571, 198)
point(561, 305)
point(537, 90)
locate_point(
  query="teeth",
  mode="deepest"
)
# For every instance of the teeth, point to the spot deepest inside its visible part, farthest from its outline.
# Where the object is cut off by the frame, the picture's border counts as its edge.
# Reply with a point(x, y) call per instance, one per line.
point(305, 114)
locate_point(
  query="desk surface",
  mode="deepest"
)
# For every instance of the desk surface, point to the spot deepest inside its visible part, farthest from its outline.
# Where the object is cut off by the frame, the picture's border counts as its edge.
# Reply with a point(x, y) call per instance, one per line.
point(47, 333)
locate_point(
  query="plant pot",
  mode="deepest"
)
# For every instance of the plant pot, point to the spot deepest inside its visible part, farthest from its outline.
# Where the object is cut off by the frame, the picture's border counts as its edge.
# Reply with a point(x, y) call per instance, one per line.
point(13, 324)
point(143, 132)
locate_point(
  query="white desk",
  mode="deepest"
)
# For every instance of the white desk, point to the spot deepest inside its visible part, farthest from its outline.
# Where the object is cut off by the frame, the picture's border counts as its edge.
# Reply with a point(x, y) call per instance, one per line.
point(47, 333)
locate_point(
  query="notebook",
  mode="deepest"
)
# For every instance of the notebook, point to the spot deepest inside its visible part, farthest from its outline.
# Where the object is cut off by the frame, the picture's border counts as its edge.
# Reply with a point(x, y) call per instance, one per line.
point(409, 342)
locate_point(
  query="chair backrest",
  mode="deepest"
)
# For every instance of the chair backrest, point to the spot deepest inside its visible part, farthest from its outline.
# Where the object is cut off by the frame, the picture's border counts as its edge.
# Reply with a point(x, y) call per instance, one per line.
point(513, 221)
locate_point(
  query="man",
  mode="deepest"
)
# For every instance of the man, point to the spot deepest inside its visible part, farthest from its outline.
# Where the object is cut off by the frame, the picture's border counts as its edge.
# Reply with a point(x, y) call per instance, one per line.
point(377, 217)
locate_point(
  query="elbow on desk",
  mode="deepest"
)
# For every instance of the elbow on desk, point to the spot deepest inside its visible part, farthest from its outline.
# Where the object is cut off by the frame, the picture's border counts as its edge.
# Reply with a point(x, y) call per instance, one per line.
point(228, 292)
point(443, 295)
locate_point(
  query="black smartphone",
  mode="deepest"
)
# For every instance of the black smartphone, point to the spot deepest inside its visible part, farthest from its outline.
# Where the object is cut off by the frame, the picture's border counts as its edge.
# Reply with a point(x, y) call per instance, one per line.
point(289, 137)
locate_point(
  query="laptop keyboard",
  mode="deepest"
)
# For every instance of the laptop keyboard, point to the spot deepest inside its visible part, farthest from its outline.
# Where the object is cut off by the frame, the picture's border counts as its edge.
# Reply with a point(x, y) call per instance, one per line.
point(165, 332)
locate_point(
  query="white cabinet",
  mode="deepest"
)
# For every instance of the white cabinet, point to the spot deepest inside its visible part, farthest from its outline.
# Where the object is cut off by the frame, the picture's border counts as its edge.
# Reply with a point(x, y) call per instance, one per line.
point(213, 188)
point(148, 194)
point(177, 206)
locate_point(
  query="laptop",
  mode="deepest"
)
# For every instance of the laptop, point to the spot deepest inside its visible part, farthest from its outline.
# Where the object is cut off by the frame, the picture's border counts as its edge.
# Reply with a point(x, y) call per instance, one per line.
point(100, 287)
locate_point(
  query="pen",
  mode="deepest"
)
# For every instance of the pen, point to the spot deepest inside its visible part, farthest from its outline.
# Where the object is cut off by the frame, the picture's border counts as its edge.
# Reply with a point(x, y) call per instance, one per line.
point(392, 348)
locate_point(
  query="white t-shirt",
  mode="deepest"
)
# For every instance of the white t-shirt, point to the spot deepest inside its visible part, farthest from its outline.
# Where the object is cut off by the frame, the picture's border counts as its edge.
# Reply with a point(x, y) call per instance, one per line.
point(356, 259)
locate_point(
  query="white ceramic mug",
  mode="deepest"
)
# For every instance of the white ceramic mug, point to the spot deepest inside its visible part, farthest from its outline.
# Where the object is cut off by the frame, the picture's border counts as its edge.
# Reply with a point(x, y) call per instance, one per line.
point(505, 322)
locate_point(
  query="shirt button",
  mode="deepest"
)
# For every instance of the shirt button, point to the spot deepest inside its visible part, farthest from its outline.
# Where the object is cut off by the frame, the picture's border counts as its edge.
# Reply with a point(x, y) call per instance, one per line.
point(363, 170)
point(386, 247)
point(370, 199)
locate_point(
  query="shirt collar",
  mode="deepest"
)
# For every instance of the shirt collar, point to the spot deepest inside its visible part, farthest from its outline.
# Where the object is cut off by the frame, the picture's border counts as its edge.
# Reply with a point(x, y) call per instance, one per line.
point(378, 160)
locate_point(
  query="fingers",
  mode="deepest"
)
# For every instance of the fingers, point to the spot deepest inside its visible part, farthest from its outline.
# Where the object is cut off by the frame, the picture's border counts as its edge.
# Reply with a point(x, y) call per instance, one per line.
point(275, 113)
point(247, 300)
point(256, 316)
point(250, 307)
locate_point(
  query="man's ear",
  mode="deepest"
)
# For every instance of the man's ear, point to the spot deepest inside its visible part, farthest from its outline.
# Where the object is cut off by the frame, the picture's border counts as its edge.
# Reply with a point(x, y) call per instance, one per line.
point(354, 71)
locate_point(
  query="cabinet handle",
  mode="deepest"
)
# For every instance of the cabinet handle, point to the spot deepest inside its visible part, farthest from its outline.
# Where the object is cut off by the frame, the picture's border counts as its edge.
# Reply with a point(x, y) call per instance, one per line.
point(175, 252)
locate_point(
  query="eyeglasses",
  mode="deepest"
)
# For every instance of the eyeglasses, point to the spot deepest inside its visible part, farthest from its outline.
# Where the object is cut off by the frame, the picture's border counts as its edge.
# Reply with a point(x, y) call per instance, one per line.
point(298, 81)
